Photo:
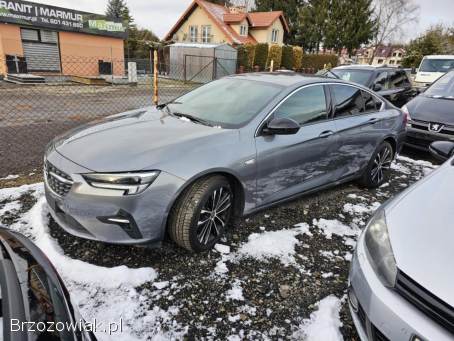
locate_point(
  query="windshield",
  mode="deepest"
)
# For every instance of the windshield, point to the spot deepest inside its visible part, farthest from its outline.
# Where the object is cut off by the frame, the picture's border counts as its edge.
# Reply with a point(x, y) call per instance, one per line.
point(356, 76)
point(228, 102)
point(442, 88)
point(436, 65)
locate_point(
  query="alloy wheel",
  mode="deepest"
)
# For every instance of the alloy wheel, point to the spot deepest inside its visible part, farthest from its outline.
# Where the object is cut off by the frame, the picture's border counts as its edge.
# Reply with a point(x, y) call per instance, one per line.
point(382, 163)
point(214, 215)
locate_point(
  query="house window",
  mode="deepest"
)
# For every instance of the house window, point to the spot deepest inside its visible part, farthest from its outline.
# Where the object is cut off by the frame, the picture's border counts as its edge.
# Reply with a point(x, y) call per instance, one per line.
point(243, 30)
point(193, 33)
point(206, 34)
point(274, 35)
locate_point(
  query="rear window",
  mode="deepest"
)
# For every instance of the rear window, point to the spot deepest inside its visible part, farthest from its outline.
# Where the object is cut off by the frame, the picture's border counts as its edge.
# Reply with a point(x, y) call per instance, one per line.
point(436, 65)
point(356, 76)
point(443, 87)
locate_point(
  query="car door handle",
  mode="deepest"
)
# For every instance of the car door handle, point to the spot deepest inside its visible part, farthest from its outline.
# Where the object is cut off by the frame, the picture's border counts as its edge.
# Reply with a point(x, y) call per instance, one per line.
point(326, 134)
point(373, 120)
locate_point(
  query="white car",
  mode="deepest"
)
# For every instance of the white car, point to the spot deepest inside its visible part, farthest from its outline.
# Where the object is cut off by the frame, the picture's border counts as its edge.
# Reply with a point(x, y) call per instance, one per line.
point(432, 68)
point(401, 277)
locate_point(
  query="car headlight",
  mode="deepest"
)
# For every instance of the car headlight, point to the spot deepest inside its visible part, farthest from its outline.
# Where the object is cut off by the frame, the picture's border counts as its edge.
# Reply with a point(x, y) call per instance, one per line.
point(129, 183)
point(379, 250)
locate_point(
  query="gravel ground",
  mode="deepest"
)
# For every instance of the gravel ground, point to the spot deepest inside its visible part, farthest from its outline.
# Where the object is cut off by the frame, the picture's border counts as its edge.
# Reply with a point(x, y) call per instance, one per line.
point(246, 288)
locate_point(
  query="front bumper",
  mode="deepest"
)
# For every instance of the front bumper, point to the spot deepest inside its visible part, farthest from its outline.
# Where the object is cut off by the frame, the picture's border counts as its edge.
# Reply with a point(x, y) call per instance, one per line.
point(421, 139)
point(86, 212)
point(383, 314)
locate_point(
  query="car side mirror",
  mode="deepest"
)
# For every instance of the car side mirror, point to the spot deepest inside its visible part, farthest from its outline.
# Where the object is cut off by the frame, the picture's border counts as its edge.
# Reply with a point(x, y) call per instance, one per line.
point(377, 87)
point(281, 126)
point(442, 150)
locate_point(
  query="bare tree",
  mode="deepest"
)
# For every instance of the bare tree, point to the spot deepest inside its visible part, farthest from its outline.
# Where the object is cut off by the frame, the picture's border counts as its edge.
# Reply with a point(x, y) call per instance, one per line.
point(248, 4)
point(391, 17)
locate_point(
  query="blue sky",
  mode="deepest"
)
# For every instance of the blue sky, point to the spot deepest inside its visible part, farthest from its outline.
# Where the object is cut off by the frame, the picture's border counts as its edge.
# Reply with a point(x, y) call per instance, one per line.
point(160, 15)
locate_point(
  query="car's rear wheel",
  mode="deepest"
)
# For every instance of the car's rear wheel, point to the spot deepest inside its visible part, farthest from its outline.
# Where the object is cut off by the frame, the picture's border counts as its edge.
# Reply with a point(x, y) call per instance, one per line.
point(378, 169)
point(203, 211)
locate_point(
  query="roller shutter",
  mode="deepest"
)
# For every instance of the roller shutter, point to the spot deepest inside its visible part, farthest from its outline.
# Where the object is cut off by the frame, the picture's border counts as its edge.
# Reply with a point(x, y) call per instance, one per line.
point(41, 50)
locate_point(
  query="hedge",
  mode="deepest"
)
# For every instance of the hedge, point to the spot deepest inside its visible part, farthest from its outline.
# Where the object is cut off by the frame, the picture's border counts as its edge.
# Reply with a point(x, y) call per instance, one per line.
point(250, 48)
point(243, 57)
point(297, 57)
point(287, 57)
point(318, 61)
point(275, 55)
point(261, 55)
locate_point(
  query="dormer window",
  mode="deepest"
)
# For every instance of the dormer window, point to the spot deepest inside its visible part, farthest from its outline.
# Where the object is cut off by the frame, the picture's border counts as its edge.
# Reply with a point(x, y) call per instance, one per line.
point(243, 30)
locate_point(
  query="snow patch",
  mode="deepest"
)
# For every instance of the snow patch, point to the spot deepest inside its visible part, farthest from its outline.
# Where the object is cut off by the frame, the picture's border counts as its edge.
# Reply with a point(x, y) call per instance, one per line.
point(236, 293)
point(330, 227)
point(323, 324)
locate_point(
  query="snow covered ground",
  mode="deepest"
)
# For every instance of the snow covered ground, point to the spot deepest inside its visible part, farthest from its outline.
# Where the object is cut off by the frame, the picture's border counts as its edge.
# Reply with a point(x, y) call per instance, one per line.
point(279, 273)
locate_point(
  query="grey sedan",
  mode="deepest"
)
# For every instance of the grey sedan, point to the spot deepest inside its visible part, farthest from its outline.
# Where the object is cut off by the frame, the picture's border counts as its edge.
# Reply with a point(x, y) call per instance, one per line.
point(401, 277)
point(226, 149)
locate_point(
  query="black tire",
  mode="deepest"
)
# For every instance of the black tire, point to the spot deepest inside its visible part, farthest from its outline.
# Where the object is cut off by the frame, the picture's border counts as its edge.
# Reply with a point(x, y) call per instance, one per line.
point(197, 221)
point(378, 168)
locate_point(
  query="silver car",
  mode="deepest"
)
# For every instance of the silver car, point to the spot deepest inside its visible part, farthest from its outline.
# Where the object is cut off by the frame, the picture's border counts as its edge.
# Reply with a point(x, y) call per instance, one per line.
point(226, 149)
point(401, 277)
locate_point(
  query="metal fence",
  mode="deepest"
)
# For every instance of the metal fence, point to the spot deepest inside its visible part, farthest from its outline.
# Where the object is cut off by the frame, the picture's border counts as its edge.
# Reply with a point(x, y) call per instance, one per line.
point(37, 106)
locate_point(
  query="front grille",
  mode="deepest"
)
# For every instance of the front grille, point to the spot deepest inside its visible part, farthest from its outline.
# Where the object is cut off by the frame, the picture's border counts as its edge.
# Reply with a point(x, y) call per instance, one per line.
point(428, 303)
point(424, 126)
point(378, 335)
point(58, 181)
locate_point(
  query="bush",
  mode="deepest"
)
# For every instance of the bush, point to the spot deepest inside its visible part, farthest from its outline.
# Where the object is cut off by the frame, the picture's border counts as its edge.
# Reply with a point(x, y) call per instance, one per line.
point(261, 55)
point(297, 58)
point(275, 54)
point(250, 48)
point(318, 61)
point(287, 57)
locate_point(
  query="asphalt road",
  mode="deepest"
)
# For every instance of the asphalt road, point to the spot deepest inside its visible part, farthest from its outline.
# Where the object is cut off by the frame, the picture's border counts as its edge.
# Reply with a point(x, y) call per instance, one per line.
point(31, 116)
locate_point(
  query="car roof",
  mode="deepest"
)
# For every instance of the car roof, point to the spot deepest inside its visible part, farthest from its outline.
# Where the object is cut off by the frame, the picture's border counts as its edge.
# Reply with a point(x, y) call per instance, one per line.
point(285, 78)
point(366, 67)
point(440, 56)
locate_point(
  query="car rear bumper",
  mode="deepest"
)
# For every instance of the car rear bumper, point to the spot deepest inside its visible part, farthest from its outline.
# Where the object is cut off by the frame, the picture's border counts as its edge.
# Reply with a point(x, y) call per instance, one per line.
point(91, 213)
point(420, 139)
point(382, 314)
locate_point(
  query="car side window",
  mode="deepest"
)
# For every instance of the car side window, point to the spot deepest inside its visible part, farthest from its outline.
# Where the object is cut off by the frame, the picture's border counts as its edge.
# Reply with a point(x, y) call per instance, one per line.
point(306, 106)
point(398, 79)
point(371, 103)
point(382, 80)
point(348, 100)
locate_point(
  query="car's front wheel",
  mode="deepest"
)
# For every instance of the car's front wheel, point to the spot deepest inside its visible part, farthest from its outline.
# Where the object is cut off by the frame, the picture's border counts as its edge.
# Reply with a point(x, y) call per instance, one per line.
point(201, 214)
point(378, 169)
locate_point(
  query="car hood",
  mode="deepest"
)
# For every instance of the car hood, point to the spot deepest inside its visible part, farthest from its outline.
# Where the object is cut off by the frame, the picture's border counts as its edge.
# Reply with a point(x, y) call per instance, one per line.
point(422, 233)
point(131, 141)
point(432, 109)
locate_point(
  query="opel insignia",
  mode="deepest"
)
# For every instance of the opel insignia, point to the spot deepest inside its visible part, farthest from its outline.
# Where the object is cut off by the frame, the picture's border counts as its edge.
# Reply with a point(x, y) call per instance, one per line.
point(226, 149)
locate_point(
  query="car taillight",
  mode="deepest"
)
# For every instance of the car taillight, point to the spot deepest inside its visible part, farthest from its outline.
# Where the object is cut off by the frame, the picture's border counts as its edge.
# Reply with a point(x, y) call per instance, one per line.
point(406, 115)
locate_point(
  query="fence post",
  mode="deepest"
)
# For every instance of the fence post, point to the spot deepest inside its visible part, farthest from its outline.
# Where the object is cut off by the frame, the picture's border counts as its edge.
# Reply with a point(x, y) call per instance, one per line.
point(272, 65)
point(155, 77)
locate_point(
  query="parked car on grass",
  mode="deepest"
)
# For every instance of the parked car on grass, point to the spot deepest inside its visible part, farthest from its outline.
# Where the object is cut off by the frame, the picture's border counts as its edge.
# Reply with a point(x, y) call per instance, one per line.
point(401, 274)
point(432, 68)
point(226, 149)
point(35, 304)
point(390, 82)
point(431, 114)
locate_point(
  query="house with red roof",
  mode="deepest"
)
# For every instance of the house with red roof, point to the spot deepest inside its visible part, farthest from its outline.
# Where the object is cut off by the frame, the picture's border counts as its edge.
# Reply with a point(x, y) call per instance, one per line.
point(205, 22)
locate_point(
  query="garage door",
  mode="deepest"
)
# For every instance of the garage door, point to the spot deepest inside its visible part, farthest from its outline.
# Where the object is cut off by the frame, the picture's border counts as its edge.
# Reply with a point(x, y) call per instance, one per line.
point(41, 50)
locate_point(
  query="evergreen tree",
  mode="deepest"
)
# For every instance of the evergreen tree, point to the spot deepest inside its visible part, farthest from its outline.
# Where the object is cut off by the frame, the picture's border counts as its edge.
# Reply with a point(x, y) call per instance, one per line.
point(290, 9)
point(312, 24)
point(118, 9)
point(349, 24)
